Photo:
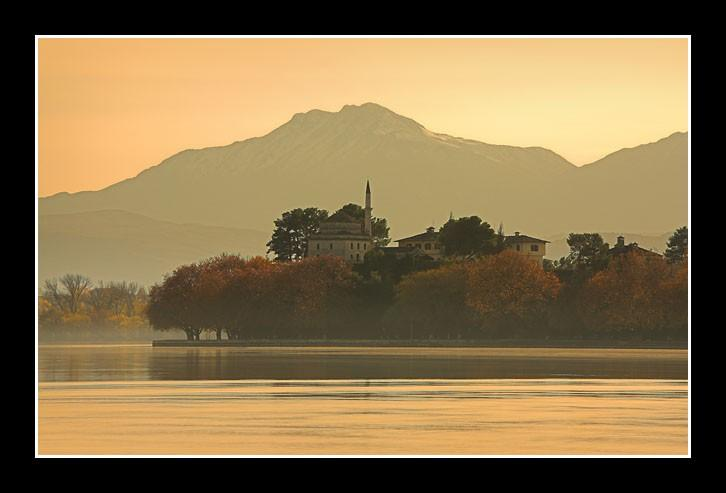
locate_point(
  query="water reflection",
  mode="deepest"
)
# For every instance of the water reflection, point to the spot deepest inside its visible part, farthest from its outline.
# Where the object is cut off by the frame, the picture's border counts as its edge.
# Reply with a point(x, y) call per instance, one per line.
point(142, 362)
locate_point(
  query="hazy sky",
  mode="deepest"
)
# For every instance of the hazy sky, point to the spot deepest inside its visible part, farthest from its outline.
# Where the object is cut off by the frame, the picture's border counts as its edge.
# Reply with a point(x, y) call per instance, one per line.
point(109, 108)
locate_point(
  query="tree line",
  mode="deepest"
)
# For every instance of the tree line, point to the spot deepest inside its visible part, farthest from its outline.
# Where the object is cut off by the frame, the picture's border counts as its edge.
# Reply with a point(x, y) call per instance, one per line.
point(74, 301)
point(481, 292)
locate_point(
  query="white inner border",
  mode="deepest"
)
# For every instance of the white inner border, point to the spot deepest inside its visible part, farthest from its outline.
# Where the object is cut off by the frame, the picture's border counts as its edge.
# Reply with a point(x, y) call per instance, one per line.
point(345, 36)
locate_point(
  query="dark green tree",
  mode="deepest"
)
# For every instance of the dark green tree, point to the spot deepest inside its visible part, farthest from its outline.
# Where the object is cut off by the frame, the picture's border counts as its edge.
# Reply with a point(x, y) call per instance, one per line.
point(378, 224)
point(588, 255)
point(588, 252)
point(468, 237)
point(391, 269)
point(677, 245)
point(289, 239)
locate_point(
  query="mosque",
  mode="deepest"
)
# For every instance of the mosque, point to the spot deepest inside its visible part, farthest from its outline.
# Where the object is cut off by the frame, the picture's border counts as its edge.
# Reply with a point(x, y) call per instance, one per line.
point(344, 236)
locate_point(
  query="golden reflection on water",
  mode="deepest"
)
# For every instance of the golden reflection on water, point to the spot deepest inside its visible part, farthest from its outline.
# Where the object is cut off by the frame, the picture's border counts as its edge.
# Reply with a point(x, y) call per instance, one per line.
point(490, 416)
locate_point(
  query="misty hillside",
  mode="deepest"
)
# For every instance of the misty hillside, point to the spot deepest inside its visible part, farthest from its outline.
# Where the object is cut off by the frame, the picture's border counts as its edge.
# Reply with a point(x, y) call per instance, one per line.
point(117, 245)
point(417, 177)
point(643, 188)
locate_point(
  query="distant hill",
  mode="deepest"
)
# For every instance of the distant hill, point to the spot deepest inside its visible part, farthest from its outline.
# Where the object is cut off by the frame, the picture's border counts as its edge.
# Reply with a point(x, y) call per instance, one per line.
point(323, 159)
point(644, 188)
point(559, 247)
point(118, 245)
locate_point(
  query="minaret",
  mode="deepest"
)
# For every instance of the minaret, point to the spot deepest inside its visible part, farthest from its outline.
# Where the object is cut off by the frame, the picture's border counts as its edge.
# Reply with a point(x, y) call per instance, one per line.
point(367, 222)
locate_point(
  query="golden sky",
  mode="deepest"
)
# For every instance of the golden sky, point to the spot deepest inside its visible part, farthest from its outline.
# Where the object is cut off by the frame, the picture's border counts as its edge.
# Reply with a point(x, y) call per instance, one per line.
point(109, 108)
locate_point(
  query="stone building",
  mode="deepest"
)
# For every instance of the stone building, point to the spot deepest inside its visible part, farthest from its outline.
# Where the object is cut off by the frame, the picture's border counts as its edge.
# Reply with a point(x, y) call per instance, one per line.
point(621, 248)
point(427, 242)
point(343, 236)
point(532, 248)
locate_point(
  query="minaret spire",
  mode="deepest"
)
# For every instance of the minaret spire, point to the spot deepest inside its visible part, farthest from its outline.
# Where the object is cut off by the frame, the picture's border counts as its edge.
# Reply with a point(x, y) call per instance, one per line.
point(368, 210)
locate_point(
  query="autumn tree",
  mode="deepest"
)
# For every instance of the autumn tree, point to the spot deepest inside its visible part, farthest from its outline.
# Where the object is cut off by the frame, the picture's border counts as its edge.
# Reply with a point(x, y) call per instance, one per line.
point(175, 303)
point(253, 305)
point(511, 294)
point(215, 274)
point(320, 290)
point(292, 230)
point(432, 304)
point(637, 295)
point(677, 245)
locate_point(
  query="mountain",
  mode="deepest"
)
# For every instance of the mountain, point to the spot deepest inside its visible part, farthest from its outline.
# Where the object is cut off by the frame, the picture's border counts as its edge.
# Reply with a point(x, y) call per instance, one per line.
point(643, 188)
point(117, 245)
point(323, 159)
point(559, 247)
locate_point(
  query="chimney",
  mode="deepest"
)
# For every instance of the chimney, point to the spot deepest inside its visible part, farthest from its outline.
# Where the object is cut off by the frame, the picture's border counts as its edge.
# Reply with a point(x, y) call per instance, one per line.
point(516, 233)
point(621, 241)
point(430, 229)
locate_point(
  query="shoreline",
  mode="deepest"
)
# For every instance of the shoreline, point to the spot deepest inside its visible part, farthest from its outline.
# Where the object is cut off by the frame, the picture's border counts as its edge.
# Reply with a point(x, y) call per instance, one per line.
point(498, 343)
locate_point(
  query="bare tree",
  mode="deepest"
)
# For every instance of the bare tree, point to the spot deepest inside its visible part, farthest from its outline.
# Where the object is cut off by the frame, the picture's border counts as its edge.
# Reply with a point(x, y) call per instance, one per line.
point(122, 296)
point(76, 285)
point(52, 293)
point(130, 290)
point(98, 298)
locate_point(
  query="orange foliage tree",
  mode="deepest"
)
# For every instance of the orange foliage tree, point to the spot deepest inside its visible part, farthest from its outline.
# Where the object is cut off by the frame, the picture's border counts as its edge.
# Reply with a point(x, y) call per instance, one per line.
point(637, 295)
point(253, 298)
point(318, 290)
point(511, 294)
point(431, 304)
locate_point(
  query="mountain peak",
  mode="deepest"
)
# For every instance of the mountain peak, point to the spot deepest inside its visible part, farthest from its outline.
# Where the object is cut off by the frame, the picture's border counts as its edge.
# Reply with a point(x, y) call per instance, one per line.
point(366, 118)
point(365, 107)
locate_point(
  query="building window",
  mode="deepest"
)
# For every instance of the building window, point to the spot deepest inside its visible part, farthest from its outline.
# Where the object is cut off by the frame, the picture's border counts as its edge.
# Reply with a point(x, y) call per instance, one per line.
point(427, 246)
point(436, 246)
point(409, 244)
point(534, 248)
point(331, 246)
point(351, 256)
point(365, 245)
point(418, 245)
point(357, 257)
point(358, 246)
point(518, 247)
point(317, 247)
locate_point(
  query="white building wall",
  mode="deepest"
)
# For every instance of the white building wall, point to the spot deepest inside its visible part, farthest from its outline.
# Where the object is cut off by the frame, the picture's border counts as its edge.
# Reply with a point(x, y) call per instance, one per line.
point(351, 250)
point(525, 249)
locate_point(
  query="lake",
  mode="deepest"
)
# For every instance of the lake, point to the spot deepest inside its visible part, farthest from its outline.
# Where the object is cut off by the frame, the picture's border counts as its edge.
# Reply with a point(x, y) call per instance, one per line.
point(135, 399)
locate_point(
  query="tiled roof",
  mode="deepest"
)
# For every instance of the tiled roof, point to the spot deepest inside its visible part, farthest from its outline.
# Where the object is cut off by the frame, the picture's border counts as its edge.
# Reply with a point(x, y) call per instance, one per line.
point(620, 250)
point(522, 239)
point(428, 235)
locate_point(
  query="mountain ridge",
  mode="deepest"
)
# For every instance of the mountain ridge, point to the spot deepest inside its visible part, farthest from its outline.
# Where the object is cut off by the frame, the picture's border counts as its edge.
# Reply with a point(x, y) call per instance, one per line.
point(320, 158)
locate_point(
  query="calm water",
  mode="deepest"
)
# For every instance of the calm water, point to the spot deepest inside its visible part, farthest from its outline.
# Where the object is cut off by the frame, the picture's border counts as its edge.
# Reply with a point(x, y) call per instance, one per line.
point(137, 399)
